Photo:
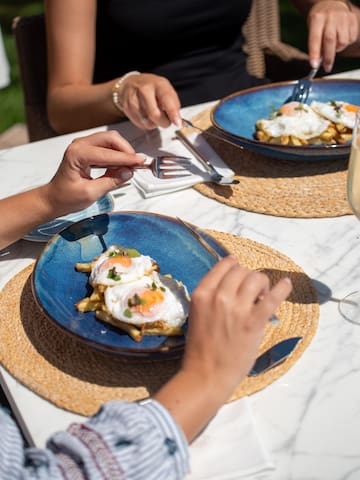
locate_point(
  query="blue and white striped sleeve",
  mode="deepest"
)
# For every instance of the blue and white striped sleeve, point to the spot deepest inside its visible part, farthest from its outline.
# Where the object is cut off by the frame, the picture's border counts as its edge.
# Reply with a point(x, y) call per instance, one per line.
point(124, 440)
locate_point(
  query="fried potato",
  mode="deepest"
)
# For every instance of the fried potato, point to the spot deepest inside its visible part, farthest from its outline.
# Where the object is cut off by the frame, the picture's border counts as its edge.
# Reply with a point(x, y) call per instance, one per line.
point(336, 133)
point(83, 267)
point(134, 332)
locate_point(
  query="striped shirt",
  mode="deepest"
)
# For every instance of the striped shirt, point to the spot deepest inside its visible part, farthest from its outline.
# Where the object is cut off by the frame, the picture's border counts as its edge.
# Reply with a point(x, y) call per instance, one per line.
point(122, 441)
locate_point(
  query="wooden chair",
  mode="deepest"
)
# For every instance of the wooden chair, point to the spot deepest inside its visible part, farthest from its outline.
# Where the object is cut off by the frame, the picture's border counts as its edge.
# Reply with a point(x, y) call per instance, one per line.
point(267, 57)
point(30, 40)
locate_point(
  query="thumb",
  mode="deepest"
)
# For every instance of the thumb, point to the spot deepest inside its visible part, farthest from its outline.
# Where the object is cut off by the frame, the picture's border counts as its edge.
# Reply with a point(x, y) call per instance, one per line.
point(112, 178)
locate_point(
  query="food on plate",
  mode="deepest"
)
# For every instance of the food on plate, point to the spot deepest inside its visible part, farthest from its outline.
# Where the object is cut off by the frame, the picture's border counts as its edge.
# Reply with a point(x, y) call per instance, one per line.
point(120, 265)
point(129, 293)
point(296, 123)
point(340, 113)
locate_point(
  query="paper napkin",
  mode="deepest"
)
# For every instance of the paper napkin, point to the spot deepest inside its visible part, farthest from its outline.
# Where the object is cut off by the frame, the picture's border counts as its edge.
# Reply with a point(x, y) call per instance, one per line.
point(230, 448)
point(150, 186)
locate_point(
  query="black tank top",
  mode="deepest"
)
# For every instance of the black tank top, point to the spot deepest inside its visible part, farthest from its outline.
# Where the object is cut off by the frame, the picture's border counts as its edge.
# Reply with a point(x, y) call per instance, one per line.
point(196, 44)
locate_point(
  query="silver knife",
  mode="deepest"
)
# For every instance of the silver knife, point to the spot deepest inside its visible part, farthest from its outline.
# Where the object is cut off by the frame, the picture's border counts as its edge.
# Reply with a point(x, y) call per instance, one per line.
point(200, 239)
point(274, 356)
point(273, 319)
point(214, 174)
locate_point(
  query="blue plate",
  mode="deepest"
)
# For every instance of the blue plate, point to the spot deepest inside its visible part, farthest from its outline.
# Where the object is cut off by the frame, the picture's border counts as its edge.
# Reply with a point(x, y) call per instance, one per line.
point(46, 231)
point(57, 286)
point(236, 115)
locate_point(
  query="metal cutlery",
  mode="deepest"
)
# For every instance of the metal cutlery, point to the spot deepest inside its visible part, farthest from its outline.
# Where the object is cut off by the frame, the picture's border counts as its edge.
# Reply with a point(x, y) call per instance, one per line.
point(275, 355)
point(187, 123)
point(167, 166)
point(302, 87)
point(214, 174)
point(273, 319)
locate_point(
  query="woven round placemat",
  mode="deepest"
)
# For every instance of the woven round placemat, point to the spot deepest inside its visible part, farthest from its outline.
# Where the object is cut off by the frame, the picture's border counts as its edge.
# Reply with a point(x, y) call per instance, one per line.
point(284, 188)
point(79, 378)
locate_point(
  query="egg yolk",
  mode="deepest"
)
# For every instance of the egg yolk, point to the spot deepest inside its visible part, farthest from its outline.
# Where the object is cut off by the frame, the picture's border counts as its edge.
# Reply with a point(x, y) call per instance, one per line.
point(149, 298)
point(290, 109)
point(123, 260)
point(351, 108)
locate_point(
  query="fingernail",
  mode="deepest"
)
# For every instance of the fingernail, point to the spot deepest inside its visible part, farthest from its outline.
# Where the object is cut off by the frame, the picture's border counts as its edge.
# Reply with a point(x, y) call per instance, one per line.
point(126, 174)
point(177, 122)
point(314, 62)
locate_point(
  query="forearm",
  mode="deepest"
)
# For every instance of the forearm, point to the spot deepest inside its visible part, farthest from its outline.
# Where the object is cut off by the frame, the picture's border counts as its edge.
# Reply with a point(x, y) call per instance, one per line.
point(192, 401)
point(22, 212)
point(78, 107)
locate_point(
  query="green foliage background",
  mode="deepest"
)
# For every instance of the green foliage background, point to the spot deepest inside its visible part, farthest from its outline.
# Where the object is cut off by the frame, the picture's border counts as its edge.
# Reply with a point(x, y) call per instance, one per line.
point(293, 29)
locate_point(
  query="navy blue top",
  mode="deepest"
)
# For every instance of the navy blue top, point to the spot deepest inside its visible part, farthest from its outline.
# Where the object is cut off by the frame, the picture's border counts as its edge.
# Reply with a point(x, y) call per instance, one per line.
point(196, 44)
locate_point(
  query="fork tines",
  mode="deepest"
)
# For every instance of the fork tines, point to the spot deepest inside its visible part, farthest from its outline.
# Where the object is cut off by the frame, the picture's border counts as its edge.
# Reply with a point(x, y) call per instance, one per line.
point(167, 167)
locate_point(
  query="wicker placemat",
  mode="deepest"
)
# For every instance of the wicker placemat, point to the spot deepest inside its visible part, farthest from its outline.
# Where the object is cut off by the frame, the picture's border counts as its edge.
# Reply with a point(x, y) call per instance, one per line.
point(284, 188)
point(79, 378)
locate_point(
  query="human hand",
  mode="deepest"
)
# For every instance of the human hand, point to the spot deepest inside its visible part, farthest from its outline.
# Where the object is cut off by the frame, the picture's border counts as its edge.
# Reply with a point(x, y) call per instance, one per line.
point(72, 188)
point(227, 321)
point(333, 26)
point(149, 101)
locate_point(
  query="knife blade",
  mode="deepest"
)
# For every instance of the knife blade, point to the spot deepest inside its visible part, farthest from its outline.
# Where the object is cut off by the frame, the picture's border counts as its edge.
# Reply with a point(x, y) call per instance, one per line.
point(214, 174)
point(274, 320)
point(200, 239)
point(275, 355)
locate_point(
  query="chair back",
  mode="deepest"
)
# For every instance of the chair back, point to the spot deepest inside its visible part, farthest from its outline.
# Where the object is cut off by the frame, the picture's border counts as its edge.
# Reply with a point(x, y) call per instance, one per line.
point(268, 56)
point(30, 40)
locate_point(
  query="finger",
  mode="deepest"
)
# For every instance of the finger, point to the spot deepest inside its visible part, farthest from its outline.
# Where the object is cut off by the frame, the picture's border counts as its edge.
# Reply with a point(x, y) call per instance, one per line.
point(329, 45)
point(99, 157)
point(353, 29)
point(135, 113)
point(316, 28)
point(271, 301)
point(255, 285)
point(112, 178)
point(233, 279)
point(109, 139)
point(170, 105)
point(212, 279)
point(151, 109)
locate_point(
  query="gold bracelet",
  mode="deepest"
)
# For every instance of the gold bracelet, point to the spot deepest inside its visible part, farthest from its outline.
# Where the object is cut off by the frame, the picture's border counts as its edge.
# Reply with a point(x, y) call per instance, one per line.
point(116, 87)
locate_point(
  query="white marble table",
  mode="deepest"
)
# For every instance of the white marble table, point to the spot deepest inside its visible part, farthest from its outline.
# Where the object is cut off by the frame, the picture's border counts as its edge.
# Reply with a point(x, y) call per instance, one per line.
point(309, 418)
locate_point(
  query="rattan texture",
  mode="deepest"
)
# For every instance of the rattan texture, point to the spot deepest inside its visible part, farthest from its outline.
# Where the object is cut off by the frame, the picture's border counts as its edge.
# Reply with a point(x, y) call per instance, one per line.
point(79, 378)
point(283, 188)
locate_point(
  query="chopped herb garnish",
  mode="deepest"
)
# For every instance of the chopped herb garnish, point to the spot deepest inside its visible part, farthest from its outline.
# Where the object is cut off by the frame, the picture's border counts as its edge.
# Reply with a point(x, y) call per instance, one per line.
point(300, 107)
point(127, 313)
point(114, 253)
point(132, 252)
point(337, 108)
point(113, 275)
point(136, 300)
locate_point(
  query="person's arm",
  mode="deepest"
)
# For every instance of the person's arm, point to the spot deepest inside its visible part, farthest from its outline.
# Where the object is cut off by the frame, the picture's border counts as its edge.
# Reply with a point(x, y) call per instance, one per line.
point(72, 188)
point(226, 325)
point(229, 310)
point(334, 26)
point(74, 102)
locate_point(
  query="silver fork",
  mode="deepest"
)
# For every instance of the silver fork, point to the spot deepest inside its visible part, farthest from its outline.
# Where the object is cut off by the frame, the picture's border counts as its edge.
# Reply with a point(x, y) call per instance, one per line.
point(167, 166)
point(302, 87)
